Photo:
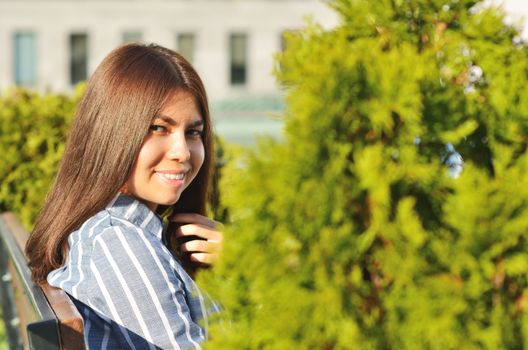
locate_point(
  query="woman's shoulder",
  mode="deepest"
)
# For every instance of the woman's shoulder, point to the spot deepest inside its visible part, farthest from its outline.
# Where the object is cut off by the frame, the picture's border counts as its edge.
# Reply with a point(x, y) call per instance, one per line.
point(95, 224)
point(123, 214)
point(104, 235)
point(106, 227)
point(129, 214)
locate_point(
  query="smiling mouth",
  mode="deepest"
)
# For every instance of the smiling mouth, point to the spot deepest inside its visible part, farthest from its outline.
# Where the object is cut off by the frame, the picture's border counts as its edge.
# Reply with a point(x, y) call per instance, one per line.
point(172, 177)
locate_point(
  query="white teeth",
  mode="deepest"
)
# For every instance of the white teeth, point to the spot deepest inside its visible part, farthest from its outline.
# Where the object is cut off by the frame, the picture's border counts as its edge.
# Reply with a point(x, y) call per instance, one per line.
point(179, 176)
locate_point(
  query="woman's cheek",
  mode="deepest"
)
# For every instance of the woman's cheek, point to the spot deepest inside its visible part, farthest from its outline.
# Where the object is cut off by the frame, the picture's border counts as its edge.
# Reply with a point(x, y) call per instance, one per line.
point(197, 156)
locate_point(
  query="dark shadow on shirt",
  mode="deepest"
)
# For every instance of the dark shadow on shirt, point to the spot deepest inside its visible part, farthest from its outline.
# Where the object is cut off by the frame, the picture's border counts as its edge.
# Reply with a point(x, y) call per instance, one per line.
point(116, 339)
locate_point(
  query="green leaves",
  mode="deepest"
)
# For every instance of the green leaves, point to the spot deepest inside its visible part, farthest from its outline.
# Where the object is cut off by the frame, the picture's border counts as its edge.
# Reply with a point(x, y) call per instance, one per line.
point(352, 222)
point(33, 130)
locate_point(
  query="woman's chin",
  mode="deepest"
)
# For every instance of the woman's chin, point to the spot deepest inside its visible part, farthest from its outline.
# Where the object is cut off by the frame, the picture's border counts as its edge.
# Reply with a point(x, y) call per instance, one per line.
point(169, 201)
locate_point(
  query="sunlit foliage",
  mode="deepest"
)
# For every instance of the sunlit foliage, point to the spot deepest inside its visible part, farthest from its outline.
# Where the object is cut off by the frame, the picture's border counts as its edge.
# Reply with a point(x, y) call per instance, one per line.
point(352, 233)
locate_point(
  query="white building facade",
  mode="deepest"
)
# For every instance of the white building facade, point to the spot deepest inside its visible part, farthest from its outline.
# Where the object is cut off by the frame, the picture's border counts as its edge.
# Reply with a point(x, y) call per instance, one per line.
point(50, 45)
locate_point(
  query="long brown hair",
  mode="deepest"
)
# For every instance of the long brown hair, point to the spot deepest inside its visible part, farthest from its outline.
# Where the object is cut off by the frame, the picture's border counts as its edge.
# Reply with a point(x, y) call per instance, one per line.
point(125, 93)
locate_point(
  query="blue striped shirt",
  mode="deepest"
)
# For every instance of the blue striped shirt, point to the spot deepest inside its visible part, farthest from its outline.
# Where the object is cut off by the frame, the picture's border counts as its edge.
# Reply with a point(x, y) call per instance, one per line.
point(130, 290)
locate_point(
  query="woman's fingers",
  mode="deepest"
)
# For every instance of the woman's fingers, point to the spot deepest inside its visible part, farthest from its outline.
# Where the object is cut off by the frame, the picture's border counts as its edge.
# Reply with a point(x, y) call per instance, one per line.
point(204, 252)
point(204, 258)
point(200, 231)
point(200, 246)
point(193, 218)
point(199, 237)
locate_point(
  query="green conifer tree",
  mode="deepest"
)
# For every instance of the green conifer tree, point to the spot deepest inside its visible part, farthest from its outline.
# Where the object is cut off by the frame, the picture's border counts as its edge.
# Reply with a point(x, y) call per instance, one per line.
point(33, 130)
point(358, 230)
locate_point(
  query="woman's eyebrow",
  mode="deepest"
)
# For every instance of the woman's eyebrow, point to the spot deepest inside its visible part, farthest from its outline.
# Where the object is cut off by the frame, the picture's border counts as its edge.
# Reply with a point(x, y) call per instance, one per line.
point(172, 122)
point(167, 120)
point(196, 123)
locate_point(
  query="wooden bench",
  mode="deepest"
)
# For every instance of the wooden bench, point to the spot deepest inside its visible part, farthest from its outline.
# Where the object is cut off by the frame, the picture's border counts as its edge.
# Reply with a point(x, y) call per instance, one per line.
point(36, 317)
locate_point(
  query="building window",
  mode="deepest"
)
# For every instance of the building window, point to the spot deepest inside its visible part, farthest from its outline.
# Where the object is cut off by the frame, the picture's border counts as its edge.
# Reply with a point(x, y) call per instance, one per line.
point(132, 36)
point(186, 46)
point(78, 57)
point(25, 59)
point(238, 58)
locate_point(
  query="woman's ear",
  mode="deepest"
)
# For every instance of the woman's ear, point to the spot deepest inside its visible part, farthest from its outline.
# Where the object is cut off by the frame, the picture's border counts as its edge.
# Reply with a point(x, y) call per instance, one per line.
point(124, 189)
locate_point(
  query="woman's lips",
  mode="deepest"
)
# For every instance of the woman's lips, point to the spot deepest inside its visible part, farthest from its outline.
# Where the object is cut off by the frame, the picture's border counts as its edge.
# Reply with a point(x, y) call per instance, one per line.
point(172, 178)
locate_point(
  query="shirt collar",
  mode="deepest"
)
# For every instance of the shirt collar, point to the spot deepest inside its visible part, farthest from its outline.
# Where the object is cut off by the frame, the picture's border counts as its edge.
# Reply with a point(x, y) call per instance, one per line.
point(136, 212)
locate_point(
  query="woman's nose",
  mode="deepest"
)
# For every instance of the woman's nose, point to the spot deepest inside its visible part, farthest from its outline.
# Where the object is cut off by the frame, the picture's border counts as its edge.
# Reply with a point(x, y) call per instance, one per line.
point(178, 148)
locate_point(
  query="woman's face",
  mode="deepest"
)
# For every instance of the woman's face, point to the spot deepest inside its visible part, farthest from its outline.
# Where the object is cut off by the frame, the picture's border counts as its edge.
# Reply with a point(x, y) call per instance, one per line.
point(171, 154)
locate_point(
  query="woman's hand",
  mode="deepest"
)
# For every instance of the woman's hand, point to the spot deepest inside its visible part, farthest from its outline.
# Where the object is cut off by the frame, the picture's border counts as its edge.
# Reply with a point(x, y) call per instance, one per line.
point(199, 238)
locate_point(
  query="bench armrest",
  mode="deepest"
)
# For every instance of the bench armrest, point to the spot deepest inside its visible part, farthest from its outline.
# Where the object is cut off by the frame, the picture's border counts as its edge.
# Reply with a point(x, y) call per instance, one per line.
point(70, 320)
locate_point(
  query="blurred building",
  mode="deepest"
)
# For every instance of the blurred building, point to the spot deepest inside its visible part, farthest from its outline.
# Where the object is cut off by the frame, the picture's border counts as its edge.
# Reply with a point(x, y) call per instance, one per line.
point(54, 44)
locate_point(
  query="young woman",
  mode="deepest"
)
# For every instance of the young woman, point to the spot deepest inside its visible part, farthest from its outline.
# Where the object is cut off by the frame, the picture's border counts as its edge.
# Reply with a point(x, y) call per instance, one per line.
point(139, 147)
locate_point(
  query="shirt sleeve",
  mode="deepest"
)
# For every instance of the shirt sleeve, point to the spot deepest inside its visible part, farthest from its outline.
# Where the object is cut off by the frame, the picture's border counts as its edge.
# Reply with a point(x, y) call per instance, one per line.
point(136, 287)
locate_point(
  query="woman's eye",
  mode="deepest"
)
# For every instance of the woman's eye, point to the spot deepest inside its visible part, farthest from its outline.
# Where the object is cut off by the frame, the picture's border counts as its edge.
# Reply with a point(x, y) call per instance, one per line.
point(195, 133)
point(158, 128)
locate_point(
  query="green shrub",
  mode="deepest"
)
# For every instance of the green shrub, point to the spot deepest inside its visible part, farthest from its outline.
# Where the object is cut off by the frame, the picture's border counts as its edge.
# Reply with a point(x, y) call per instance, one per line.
point(355, 232)
point(33, 129)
